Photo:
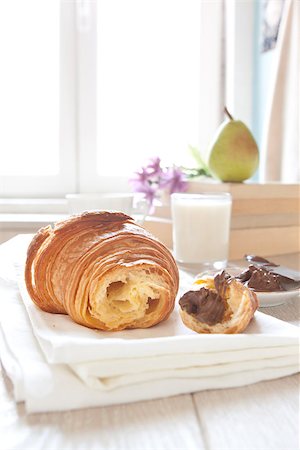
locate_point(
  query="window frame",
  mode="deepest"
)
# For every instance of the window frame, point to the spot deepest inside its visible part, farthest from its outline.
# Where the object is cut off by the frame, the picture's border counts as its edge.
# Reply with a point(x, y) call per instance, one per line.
point(211, 89)
point(12, 186)
point(78, 87)
point(240, 59)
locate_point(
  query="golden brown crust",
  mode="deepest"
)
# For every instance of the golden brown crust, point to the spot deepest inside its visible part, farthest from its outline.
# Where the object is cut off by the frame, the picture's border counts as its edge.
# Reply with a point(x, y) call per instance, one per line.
point(102, 269)
point(241, 301)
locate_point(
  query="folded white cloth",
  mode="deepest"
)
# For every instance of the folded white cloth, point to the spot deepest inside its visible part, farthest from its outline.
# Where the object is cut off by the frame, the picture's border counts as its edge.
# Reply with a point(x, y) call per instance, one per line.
point(55, 364)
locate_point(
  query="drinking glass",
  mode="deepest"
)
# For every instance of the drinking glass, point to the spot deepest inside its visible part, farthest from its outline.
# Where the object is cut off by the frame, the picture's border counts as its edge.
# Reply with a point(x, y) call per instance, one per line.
point(201, 229)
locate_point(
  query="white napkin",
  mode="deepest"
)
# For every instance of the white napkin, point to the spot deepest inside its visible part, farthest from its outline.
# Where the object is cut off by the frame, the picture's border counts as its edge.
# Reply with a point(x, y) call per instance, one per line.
point(55, 364)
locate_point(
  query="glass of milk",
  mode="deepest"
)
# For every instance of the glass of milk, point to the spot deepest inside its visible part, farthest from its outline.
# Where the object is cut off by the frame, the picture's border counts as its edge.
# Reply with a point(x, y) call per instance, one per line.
point(201, 228)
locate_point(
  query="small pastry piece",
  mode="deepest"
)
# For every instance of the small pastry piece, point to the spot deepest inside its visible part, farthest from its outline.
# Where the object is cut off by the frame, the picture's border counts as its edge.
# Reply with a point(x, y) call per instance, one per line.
point(218, 304)
point(104, 270)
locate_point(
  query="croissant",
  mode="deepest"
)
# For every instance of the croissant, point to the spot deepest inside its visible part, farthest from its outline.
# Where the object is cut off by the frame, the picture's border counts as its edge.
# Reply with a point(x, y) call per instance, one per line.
point(219, 304)
point(104, 270)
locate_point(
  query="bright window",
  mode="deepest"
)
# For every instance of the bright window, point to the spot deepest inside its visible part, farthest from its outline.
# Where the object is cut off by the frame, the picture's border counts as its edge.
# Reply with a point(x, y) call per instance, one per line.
point(29, 88)
point(148, 61)
point(90, 89)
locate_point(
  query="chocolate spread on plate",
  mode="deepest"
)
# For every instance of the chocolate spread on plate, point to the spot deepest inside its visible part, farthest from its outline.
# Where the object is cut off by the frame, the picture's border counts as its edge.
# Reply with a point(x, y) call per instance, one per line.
point(264, 276)
point(206, 305)
point(260, 260)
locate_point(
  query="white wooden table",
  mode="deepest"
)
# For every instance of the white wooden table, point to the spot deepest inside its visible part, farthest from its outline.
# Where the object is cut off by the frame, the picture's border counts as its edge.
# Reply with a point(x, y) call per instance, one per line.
point(262, 416)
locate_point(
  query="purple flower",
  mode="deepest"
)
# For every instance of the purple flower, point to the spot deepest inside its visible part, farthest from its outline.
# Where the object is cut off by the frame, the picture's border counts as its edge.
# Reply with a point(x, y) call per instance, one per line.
point(149, 192)
point(138, 185)
point(151, 180)
point(153, 167)
point(145, 187)
point(148, 174)
point(174, 179)
point(141, 176)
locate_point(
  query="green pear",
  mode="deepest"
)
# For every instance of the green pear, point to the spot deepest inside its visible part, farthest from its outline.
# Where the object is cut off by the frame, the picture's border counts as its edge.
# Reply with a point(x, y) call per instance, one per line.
point(234, 152)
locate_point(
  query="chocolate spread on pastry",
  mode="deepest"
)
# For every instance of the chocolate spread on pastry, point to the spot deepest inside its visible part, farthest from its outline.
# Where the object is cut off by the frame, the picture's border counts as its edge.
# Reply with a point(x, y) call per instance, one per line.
point(207, 305)
point(265, 276)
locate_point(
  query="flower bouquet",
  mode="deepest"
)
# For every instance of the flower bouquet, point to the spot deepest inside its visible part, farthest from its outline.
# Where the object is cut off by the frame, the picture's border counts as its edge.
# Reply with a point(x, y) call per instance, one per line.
point(157, 183)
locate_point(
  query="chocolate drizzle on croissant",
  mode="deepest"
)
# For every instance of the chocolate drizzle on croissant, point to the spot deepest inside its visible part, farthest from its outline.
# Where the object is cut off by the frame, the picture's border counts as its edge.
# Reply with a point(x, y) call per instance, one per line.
point(104, 270)
point(207, 305)
point(219, 304)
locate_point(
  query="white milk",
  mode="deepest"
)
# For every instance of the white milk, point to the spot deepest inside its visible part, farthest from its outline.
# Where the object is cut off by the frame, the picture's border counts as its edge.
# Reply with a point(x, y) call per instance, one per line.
point(201, 227)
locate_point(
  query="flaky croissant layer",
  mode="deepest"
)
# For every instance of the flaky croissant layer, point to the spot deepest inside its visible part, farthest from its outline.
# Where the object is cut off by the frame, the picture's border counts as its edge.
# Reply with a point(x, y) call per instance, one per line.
point(102, 269)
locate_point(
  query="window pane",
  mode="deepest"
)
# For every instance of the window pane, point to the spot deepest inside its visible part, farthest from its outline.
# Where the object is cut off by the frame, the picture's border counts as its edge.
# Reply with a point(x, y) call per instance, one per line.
point(148, 81)
point(29, 87)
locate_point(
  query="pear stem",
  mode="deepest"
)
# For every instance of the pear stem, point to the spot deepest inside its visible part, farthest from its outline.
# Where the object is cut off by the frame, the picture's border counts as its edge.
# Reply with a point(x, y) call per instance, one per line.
point(228, 113)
